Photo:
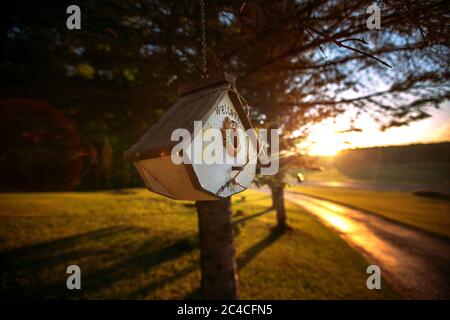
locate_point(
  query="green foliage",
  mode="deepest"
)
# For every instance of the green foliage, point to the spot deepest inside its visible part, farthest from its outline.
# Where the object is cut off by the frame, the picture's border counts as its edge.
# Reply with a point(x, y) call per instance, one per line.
point(410, 154)
point(437, 174)
point(417, 164)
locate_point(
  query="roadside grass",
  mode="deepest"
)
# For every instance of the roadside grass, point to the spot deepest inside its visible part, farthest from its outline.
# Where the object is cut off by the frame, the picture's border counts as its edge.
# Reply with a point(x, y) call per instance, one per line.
point(411, 174)
point(429, 214)
point(406, 173)
point(328, 174)
point(135, 244)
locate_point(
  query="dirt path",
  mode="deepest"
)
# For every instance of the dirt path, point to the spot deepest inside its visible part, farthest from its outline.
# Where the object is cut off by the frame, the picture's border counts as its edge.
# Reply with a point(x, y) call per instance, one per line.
point(415, 262)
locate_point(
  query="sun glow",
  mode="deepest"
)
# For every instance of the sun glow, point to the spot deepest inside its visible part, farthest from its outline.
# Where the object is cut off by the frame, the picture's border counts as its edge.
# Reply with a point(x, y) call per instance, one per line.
point(330, 136)
point(325, 141)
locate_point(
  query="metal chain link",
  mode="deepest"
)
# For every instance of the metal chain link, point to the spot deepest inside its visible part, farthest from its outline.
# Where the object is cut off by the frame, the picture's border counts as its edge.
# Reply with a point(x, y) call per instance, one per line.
point(203, 22)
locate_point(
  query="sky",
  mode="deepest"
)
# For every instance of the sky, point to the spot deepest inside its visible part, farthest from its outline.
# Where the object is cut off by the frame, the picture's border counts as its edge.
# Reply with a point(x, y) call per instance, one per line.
point(325, 139)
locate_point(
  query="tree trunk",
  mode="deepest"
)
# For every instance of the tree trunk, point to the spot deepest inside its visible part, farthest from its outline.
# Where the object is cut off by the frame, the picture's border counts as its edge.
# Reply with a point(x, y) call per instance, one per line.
point(278, 204)
point(274, 198)
point(218, 263)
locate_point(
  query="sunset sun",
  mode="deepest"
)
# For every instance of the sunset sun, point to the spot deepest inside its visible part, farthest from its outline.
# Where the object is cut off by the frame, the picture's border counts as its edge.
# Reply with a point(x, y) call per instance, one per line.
point(331, 136)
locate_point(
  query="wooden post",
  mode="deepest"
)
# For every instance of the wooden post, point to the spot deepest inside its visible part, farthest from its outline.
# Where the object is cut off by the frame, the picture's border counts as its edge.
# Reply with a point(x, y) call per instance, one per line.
point(218, 263)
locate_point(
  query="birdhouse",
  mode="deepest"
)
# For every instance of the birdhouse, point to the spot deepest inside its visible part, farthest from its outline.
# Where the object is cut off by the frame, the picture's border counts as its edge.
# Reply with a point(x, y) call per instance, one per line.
point(212, 103)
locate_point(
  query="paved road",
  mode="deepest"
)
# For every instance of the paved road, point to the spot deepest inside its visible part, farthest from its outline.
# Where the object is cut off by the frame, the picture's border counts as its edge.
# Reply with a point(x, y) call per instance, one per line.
point(416, 263)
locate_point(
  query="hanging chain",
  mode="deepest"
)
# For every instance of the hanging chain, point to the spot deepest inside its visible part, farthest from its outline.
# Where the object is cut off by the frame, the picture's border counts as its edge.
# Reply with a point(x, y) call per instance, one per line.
point(243, 101)
point(203, 22)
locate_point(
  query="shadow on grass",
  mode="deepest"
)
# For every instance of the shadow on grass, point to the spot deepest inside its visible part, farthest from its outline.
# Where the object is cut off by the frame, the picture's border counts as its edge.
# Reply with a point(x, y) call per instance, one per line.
point(252, 216)
point(106, 257)
point(255, 199)
point(247, 255)
point(253, 251)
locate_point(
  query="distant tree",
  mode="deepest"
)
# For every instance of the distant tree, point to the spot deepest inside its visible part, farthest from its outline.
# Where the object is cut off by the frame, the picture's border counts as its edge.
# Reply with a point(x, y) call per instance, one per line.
point(47, 147)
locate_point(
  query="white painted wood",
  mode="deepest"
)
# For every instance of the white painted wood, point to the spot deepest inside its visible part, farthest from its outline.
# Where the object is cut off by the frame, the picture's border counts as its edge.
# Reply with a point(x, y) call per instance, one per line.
point(205, 181)
point(213, 177)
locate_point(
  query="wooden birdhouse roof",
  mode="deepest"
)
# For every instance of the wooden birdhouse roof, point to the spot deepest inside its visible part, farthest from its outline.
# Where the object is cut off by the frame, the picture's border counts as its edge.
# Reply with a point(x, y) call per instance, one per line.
point(193, 103)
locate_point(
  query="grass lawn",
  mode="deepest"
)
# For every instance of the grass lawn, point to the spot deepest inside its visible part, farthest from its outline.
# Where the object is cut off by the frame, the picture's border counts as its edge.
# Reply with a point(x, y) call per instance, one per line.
point(429, 214)
point(329, 174)
point(135, 244)
point(416, 174)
